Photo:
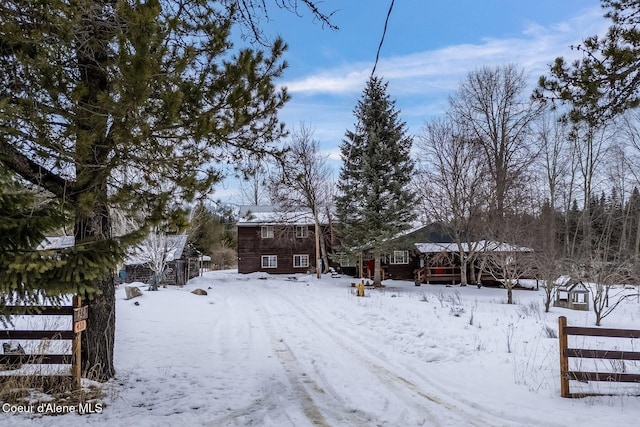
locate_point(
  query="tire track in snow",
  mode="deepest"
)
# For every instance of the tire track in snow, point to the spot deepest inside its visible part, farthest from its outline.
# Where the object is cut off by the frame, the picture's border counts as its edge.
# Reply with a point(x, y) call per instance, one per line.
point(401, 386)
point(297, 379)
point(333, 402)
point(264, 410)
point(243, 337)
point(308, 391)
point(478, 416)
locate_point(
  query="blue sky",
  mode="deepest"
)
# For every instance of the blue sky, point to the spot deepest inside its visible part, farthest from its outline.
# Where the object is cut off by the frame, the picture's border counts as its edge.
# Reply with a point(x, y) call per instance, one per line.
point(429, 47)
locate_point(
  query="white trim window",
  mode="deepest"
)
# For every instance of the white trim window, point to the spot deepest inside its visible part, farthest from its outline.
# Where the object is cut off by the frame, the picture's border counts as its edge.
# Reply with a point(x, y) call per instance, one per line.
point(301, 261)
point(302, 231)
point(267, 231)
point(269, 261)
point(400, 257)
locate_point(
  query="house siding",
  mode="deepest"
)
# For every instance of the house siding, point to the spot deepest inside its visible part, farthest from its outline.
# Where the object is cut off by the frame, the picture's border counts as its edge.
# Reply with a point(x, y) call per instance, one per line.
point(252, 246)
point(179, 272)
point(404, 271)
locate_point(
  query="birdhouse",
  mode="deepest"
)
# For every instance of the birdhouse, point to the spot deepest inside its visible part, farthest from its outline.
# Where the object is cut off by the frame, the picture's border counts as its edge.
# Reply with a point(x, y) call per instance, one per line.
point(572, 295)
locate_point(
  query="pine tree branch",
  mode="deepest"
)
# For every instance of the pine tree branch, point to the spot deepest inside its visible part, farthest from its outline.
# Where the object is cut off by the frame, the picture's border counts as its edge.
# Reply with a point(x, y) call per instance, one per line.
point(32, 171)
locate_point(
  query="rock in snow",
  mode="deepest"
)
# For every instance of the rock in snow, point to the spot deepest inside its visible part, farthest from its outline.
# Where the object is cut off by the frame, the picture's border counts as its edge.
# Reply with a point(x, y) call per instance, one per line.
point(132, 292)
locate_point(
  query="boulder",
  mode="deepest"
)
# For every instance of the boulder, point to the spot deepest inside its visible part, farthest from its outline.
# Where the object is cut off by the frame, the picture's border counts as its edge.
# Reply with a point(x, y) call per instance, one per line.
point(199, 291)
point(132, 292)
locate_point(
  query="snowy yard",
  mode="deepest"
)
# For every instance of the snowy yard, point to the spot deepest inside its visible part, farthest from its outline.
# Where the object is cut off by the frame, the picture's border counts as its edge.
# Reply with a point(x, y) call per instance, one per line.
point(264, 350)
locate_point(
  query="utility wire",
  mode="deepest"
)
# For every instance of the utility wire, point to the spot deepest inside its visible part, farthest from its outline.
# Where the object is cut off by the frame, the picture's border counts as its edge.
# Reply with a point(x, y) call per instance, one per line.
point(375, 64)
point(384, 32)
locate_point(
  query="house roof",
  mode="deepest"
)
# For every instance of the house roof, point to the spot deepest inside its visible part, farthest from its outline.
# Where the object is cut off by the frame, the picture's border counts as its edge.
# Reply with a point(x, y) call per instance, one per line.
point(479, 246)
point(431, 233)
point(140, 254)
point(436, 238)
point(273, 215)
point(56, 242)
point(143, 252)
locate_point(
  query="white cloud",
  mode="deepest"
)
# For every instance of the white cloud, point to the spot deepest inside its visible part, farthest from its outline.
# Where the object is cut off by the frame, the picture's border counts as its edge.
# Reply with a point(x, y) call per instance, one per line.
point(422, 82)
point(442, 69)
point(329, 83)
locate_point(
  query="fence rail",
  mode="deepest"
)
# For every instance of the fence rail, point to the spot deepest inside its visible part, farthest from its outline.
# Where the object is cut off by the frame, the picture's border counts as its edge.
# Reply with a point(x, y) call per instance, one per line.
point(79, 314)
point(567, 375)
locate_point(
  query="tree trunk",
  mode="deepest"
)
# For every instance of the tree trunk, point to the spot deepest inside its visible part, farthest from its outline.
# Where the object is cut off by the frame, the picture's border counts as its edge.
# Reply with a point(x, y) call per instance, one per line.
point(318, 260)
point(636, 249)
point(377, 270)
point(92, 151)
point(324, 255)
point(475, 278)
point(463, 270)
point(483, 262)
point(321, 247)
point(99, 337)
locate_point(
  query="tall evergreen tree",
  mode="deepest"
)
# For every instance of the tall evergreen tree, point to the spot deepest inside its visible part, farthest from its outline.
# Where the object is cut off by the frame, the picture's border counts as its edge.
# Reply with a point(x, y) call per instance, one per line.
point(374, 202)
point(211, 228)
point(128, 104)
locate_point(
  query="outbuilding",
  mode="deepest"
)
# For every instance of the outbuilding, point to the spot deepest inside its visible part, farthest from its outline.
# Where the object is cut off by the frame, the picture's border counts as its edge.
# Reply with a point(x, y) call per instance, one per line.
point(573, 295)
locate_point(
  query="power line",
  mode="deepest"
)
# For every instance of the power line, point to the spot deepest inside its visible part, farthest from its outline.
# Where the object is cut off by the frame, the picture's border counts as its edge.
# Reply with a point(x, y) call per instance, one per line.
point(375, 64)
point(384, 32)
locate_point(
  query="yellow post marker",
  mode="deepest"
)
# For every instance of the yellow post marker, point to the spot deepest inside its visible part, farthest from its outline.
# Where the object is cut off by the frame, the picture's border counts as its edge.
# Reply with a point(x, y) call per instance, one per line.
point(360, 290)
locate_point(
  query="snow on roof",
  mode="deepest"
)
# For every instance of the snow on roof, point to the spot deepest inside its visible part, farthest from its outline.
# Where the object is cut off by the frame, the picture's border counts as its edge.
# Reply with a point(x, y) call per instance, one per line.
point(148, 249)
point(480, 246)
point(438, 247)
point(272, 215)
point(57, 242)
point(562, 280)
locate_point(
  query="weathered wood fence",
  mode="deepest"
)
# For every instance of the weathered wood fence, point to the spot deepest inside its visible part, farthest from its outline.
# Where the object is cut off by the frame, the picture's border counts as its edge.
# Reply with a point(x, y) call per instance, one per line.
point(567, 375)
point(79, 324)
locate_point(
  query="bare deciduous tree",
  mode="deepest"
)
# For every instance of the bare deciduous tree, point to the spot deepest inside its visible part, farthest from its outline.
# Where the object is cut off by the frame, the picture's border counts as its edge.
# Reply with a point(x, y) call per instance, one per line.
point(252, 188)
point(508, 263)
point(303, 182)
point(548, 267)
point(560, 173)
point(491, 102)
point(252, 12)
point(450, 183)
point(604, 281)
point(155, 252)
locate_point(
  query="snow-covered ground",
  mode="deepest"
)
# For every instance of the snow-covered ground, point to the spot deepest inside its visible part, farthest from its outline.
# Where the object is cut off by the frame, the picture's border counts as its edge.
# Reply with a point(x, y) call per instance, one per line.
point(263, 350)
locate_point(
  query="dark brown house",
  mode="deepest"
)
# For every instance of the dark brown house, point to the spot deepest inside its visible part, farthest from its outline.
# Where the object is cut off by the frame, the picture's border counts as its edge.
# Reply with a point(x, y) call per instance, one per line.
point(494, 262)
point(276, 242)
point(398, 264)
point(403, 259)
point(427, 254)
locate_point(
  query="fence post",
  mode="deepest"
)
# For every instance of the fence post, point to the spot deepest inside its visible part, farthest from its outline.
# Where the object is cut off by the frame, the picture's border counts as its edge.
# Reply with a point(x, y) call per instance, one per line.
point(76, 365)
point(564, 359)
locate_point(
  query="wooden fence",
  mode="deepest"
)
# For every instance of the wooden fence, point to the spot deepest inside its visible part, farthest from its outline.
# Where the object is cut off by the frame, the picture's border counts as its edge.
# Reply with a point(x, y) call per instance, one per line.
point(567, 375)
point(79, 313)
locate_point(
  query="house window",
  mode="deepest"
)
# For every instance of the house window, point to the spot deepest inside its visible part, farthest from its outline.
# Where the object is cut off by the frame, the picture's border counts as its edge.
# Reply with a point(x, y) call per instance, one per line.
point(302, 231)
point(400, 257)
point(269, 261)
point(301, 261)
point(267, 231)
